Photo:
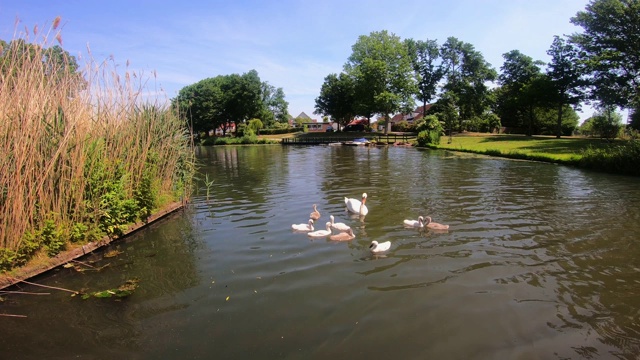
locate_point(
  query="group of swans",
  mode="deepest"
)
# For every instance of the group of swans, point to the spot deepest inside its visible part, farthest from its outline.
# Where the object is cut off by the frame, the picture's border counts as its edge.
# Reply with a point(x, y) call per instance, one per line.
point(345, 233)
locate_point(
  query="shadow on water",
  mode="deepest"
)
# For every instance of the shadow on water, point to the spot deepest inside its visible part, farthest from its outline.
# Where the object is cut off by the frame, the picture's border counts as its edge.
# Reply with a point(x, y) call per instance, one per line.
point(539, 262)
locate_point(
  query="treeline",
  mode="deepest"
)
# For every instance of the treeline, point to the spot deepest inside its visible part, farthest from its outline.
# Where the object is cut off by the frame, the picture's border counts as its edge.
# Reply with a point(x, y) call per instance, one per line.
point(386, 75)
point(228, 102)
point(83, 155)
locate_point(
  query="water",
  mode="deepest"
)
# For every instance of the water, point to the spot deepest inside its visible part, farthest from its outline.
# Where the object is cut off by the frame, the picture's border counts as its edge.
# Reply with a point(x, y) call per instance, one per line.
point(540, 262)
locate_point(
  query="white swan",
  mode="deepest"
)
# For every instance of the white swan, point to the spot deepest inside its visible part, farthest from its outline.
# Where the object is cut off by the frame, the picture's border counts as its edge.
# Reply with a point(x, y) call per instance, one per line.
point(343, 236)
point(434, 225)
point(415, 223)
point(303, 227)
point(356, 206)
point(379, 247)
point(338, 225)
point(315, 214)
point(321, 233)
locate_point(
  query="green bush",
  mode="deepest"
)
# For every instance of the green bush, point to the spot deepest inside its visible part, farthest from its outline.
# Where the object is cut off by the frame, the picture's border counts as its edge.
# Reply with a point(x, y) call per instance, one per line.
point(622, 158)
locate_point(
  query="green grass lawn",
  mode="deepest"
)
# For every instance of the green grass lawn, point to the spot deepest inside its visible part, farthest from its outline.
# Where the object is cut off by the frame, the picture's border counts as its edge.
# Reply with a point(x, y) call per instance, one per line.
point(547, 148)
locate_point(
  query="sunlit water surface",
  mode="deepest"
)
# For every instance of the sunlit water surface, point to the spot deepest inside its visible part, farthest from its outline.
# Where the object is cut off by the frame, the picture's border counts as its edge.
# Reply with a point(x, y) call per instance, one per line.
point(540, 262)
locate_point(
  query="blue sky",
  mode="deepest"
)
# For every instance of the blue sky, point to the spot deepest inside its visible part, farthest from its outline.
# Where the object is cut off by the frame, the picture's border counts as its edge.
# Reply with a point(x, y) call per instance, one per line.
point(292, 44)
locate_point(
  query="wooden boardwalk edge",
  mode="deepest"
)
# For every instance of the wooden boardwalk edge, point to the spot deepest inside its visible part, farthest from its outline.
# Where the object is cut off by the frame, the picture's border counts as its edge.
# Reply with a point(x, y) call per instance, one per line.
point(64, 257)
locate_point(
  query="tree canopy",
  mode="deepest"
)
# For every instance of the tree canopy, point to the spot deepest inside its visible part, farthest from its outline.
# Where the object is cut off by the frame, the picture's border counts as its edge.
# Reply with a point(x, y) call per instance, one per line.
point(610, 46)
point(224, 100)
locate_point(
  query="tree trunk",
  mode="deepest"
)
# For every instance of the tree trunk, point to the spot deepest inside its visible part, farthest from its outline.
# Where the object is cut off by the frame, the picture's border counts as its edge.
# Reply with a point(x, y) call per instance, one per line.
point(559, 125)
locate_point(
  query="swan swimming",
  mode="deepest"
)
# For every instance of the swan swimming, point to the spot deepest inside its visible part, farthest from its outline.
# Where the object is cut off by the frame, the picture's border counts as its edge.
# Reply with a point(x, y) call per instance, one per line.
point(434, 225)
point(338, 225)
point(415, 223)
point(356, 206)
point(343, 236)
point(303, 227)
point(315, 214)
point(379, 247)
point(321, 233)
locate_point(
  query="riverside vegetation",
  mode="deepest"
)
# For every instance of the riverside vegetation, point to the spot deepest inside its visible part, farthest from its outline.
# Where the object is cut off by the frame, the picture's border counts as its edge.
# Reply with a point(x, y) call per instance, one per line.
point(84, 152)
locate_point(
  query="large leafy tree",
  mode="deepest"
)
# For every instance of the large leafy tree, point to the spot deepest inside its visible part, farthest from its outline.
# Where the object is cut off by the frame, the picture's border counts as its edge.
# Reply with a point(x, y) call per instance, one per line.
point(566, 77)
point(230, 99)
point(428, 70)
point(337, 97)
point(518, 95)
point(610, 46)
point(54, 62)
point(242, 97)
point(467, 77)
point(275, 107)
point(382, 71)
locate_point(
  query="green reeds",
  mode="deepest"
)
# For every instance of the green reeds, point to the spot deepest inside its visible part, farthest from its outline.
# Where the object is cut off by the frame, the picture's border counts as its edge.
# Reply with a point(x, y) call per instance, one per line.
point(83, 152)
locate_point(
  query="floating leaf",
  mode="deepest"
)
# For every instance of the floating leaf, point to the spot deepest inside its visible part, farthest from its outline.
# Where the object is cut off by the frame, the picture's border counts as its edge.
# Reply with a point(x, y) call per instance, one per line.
point(227, 298)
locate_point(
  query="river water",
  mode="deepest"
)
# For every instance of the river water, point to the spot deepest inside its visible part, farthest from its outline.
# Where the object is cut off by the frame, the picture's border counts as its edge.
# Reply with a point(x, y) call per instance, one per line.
point(540, 262)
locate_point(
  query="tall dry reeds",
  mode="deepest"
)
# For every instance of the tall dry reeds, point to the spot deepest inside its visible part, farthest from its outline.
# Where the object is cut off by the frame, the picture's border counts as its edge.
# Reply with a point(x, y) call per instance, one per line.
point(82, 152)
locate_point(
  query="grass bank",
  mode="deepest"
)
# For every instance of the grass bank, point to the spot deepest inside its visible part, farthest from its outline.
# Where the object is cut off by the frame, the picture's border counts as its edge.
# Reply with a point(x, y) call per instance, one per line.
point(620, 156)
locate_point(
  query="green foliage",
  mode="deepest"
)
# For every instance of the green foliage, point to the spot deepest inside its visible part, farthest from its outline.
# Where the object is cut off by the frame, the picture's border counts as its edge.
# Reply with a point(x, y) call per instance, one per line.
point(255, 125)
point(337, 98)
point(403, 126)
point(383, 78)
point(429, 131)
point(606, 123)
point(7, 259)
point(428, 137)
point(610, 44)
point(621, 157)
point(51, 237)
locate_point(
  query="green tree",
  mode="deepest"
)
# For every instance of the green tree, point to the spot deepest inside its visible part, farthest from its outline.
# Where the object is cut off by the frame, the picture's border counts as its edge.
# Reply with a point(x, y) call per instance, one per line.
point(242, 97)
point(255, 125)
point(610, 46)
point(566, 77)
point(337, 98)
point(275, 107)
point(607, 123)
point(55, 63)
point(467, 77)
point(518, 96)
point(382, 71)
point(427, 70)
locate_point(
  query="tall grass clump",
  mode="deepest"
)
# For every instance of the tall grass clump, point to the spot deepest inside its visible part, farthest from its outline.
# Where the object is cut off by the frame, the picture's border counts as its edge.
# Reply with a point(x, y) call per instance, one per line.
point(83, 153)
point(620, 157)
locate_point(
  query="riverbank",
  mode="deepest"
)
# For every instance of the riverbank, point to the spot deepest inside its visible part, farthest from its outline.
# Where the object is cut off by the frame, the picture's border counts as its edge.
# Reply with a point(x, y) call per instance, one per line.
point(41, 265)
point(615, 157)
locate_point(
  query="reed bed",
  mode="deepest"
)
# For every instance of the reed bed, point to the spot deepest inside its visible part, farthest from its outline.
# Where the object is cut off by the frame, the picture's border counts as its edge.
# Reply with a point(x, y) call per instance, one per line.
point(84, 151)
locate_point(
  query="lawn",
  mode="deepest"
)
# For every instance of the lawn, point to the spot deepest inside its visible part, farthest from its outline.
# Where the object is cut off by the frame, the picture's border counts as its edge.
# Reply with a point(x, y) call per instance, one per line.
point(547, 148)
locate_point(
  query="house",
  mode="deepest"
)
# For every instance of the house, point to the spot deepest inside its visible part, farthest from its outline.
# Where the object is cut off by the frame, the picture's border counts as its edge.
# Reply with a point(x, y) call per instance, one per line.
point(413, 116)
point(231, 128)
point(318, 126)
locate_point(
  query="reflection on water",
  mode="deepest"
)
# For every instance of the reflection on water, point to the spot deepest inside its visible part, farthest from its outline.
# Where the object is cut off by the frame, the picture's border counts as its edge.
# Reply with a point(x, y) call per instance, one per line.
point(539, 262)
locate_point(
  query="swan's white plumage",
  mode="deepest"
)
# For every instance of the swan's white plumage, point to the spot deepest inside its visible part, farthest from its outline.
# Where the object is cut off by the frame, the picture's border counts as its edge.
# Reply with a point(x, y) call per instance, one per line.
point(379, 247)
point(321, 233)
point(339, 225)
point(357, 206)
point(414, 223)
point(303, 227)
